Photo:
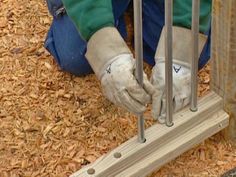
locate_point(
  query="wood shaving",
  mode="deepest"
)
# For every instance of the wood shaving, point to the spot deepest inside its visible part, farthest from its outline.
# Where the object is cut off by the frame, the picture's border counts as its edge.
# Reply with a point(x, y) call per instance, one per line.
point(52, 123)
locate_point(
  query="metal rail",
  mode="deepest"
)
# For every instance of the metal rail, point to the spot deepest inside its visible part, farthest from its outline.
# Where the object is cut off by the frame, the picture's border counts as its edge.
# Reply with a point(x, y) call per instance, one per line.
point(195, 54)
point(169, 61)
point(138, 36)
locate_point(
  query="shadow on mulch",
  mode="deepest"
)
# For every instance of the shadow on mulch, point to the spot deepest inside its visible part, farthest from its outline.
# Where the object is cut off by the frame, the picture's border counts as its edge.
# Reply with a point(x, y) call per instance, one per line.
point(231, 173)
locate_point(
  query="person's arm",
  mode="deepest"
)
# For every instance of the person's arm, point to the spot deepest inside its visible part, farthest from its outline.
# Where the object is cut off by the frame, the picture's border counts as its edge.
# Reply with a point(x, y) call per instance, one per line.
point(183, 14)
point(108, 54)
point(89, 16)
point(182, 44)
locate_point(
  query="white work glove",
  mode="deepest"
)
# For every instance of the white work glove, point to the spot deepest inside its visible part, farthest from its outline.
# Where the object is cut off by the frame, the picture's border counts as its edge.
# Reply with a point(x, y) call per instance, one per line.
point(181, 72)
point(181, 89)
point(114, 65)
point(121, 87)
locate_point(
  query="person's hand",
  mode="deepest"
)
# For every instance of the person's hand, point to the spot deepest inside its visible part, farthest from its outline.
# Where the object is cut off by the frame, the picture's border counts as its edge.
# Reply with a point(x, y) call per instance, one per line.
point(182, 40)
point(113, 63)
point(181, 89)
point(121, 87)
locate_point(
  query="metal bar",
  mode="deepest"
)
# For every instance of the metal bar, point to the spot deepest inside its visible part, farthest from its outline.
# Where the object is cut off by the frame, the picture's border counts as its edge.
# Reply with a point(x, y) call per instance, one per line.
point(138, 36)
point(169, 61)
point(195, 54)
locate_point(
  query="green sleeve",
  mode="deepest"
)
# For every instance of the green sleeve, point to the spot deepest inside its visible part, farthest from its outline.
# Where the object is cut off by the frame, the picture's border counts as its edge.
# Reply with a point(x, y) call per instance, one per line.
point(90, 15)
point(183, 14)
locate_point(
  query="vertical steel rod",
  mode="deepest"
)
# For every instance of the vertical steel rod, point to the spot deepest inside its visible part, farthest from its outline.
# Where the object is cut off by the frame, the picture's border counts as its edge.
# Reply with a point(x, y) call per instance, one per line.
point(195, 54)
point(169, 61)
point(138, 36)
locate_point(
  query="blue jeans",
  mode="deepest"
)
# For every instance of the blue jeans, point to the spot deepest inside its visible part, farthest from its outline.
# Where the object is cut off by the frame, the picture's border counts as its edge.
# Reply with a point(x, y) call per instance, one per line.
point(68, 48)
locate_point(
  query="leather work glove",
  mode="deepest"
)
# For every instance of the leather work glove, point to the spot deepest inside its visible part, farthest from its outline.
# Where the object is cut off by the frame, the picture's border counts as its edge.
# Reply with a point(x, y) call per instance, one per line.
point(181, 72)
point(113, 63)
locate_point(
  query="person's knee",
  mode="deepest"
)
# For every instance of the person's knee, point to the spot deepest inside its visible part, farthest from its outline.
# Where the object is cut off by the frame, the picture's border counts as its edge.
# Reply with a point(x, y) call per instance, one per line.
point(67, 47)
point(76, 65)
point(69, 59)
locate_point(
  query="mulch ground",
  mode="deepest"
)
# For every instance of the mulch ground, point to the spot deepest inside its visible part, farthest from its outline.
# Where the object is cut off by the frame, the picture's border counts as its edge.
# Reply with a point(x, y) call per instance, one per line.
point(53, 123)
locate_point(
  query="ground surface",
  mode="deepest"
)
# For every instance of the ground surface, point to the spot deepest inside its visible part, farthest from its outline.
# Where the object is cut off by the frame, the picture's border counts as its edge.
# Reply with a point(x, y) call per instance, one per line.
point(52, 123)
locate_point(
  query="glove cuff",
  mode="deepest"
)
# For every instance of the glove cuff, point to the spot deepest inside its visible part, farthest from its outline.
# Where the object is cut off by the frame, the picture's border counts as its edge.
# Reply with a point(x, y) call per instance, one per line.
point(103, 47)
point(182, 46)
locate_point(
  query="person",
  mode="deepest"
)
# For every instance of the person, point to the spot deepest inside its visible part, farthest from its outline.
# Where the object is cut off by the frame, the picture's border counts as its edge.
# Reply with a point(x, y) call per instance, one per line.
point(87, 36)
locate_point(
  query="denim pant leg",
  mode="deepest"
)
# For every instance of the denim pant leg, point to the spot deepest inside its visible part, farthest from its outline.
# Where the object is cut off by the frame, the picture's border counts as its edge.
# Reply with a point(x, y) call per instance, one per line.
point(69, 47)
point(65, 43)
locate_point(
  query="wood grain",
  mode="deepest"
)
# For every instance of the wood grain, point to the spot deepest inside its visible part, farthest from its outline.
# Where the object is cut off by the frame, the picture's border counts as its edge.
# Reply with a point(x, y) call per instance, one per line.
point(158, 136)
point(223, 62)
point(177, 146)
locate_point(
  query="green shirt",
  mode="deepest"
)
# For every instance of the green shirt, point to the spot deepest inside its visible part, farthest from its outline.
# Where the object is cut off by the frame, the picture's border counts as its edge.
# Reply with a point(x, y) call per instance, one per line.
point(91, 15)
point(183, 14)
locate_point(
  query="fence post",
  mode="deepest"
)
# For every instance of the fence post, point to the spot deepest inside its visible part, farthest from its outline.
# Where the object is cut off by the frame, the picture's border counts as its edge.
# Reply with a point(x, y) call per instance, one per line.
point(223, 62)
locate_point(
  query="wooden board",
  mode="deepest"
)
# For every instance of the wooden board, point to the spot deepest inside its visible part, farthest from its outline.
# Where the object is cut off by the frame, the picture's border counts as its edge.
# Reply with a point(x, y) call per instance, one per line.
point(177, 146)
point(223, 63)
point(132, 152)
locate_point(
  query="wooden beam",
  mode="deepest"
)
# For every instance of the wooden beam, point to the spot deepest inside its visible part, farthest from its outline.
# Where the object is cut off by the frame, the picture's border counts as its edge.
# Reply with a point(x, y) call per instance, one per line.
point(163, 143)
point(223, 63)
point(177, 146)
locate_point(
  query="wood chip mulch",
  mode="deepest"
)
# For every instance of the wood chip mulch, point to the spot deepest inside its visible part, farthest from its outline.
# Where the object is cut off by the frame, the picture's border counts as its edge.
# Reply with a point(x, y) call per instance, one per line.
point(53, 123)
